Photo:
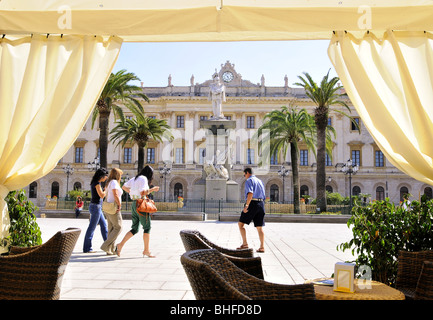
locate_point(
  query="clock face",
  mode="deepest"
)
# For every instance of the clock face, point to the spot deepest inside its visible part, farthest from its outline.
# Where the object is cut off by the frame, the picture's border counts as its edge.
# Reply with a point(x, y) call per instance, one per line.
point(227, 76)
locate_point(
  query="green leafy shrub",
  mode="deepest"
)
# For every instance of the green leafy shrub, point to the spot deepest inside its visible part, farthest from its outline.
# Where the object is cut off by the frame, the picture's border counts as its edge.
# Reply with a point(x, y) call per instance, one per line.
point(24, 230)
point(382, 229)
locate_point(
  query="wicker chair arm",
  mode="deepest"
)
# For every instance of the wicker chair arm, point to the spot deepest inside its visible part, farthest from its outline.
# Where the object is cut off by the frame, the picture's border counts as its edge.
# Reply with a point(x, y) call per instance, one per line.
point(252, 266)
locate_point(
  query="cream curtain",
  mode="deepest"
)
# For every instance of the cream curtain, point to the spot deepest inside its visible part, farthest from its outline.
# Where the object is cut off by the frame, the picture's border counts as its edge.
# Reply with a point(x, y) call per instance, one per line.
point(390, 83)
point(48, 88)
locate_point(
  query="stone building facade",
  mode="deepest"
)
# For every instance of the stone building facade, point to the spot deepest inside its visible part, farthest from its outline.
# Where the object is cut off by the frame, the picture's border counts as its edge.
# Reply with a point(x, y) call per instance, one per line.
point(247, 103)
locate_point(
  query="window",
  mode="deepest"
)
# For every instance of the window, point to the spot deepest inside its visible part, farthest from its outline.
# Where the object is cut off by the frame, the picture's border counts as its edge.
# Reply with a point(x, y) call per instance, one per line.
point(203, 118)
point(150, 155)
point(428, 193)
point(328, 161)
point(180, 122)
point(178, 190)
point(274, 159)
point(403, 192)
point(33, 190)
point(77, 186)
point(356, 157)
point(127, 155)
point(304, 190)
point(329, 189)
point(55, 189)
point(329, 121)
point(179, 155)
point(78, 154)
point(250, 122)
point(201, 155)
point(303, 160)
point(378, 158)
point(356, 191)
point(274, 193)
point(129, 117)
point(250, 156)
point(353, 126)
point(380, 193)
point(228, 117)
point(152, 117)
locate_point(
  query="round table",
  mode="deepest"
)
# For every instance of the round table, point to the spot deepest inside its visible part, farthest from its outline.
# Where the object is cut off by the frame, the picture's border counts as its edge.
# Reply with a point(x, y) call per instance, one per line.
point(368, 290)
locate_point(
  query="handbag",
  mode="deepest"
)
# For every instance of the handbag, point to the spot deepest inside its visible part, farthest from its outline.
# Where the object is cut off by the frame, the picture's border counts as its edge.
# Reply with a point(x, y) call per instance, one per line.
point(145, 205)
point(109, 207)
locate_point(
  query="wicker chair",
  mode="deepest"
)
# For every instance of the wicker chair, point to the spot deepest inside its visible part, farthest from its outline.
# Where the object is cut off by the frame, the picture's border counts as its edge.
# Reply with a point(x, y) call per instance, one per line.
point(243, 258)
point(36, 273)
point(214, 277)
point(415, 274)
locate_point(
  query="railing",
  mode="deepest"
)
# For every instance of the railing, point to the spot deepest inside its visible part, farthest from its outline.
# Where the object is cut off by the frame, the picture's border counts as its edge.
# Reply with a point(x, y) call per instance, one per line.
point(211, 206)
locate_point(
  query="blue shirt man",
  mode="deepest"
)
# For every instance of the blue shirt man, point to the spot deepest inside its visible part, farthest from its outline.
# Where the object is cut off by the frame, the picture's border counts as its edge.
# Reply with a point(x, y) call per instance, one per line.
point(254, 209)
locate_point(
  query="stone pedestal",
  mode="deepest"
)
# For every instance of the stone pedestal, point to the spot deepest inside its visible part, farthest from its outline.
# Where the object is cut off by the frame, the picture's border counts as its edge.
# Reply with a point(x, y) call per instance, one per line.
point(218, 154)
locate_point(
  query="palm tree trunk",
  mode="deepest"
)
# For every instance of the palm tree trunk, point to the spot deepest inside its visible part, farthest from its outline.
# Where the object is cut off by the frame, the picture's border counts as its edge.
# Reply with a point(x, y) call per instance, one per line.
point(103, 137)
point(295, 171)
point(140, 159)
point(321, 119)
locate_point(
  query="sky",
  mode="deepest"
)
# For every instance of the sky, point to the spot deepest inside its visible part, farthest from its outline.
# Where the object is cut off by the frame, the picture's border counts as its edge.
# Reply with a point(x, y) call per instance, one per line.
point(154, 62)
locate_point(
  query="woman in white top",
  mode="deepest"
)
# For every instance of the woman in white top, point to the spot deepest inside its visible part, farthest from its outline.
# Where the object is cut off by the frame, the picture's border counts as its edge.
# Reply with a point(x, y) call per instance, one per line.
point(114, 194)
point(138, 187)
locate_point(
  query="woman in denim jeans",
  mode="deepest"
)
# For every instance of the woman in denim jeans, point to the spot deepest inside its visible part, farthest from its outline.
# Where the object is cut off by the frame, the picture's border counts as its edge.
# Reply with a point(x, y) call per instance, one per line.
point(95, 209)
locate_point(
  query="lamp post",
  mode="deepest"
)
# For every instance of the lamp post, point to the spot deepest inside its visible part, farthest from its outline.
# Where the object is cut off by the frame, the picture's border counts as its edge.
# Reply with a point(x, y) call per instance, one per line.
point(68, 170)
point(283, 172)
point(94, 165)
point(164, 171)
point(126, 179)
point(349, 168)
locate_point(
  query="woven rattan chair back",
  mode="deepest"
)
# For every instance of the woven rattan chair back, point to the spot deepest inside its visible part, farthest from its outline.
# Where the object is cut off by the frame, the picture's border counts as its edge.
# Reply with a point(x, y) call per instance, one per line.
point(194, 240)
point(410, 265)
point(36, 273)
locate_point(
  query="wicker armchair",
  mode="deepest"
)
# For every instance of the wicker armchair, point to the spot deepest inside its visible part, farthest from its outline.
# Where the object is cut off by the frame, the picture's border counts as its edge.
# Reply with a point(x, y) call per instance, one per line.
point(36, 273)
point(415, 274)
point(193, 240)
point(214, 277)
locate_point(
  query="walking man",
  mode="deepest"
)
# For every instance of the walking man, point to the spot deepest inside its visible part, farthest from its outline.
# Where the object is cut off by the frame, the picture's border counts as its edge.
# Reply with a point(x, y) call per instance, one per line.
point(254, 209)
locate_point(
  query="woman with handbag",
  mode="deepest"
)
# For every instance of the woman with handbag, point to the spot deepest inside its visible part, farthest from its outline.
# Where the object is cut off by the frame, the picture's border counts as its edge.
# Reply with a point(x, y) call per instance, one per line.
point(138, 187)
point(113, 201)
point(95, 209)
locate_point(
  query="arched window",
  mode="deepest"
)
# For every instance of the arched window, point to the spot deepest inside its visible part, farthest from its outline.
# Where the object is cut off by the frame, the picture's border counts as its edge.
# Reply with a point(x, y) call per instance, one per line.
point(33, 190)
point(428, 192)
point(178, 190)
point(55, 189)
point(403, 192)
point(304, 190)
point(329, 189)
point(274, 193)
point(356, 191)
point(380, 193)
point(77, 186)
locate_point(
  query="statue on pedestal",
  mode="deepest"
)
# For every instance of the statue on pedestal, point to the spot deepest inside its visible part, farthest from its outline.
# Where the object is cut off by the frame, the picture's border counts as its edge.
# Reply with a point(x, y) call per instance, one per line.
point(217, 94)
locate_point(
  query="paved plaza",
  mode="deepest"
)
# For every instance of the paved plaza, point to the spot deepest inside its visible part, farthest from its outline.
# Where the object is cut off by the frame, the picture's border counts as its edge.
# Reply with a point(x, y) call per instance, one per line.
point(294, 252)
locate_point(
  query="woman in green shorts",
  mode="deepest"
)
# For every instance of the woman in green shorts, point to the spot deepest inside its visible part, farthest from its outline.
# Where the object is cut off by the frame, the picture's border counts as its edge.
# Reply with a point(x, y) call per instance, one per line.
point(138, 187)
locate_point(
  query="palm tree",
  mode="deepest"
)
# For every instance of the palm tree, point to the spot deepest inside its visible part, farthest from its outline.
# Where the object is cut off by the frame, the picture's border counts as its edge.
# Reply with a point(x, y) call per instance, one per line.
point(324, 96)
point(140, 130)
point(289, 127)
point(117, 92)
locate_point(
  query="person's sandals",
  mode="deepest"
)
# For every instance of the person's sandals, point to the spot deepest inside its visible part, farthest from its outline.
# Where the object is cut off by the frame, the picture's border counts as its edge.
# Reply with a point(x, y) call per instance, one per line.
point(260, 250)
point(149, 255)
point(244, 246)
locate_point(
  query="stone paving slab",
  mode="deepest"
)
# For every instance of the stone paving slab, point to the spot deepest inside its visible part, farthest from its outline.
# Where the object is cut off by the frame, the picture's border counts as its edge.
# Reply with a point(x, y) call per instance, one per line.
point(294, 252)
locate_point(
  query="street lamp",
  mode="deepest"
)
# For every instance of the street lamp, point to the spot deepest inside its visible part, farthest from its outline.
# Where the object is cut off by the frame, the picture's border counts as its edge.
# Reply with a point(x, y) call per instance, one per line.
point(349, 168)
point(283, 172)
point(68, 170)
point(164, 171)
point(94, 165)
